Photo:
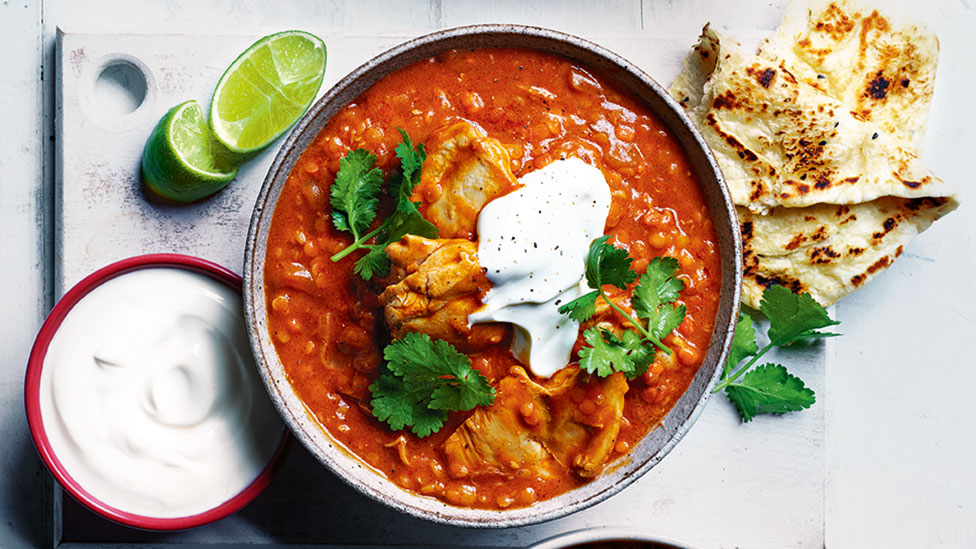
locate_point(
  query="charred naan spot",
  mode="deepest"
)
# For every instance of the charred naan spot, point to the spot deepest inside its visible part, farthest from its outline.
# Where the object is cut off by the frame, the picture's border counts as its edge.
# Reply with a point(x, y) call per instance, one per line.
point(849, 219)
point(873, 21)
point(852, 180)
point(809, 218)
point(791, 284)
point(803, 189)
point(746, 230)
point(796, 241)
point(890, 224)
point(904, 82)
point(805, 43)
point(835, 22)
point(750, 261)
point(857, 280)
point(879, 264)
point(822, 182)
point(899, 250)
point(757, 190)
point(916, 204)
point(912, 184)
point(726, 101)
point(855, 251)
point(820, 233)
point(878, 87)
point(744, 151)
point(842, 210)
point(786, 75)
point(823, 255)
point(785, 196)
point(764, 77)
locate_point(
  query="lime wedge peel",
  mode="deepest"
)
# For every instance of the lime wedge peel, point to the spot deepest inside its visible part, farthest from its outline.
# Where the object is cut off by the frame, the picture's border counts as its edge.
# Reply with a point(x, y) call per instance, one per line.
point(182, 161)
point(266, 90)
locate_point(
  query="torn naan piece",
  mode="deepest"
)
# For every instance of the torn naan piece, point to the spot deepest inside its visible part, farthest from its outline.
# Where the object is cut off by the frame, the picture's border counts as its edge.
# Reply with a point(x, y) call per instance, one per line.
point(881, 68)
point(829, 250)
point(840, 239)
point(782, 142)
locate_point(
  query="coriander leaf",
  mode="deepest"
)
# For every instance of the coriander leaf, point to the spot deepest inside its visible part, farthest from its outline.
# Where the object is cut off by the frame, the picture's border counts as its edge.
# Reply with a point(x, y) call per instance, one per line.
point(607, 264)
point(666, 320)
point(373, 263)
point(407, 220)
point(427, 421)
point(743, 343)
point(657, 286)
point(422, 381)
point(793, 317)
point(581, 308)
point(354, 192)
point(411, 160)
point(401, 404)
point(608, 354)
point(354, 201)
point(769, 389)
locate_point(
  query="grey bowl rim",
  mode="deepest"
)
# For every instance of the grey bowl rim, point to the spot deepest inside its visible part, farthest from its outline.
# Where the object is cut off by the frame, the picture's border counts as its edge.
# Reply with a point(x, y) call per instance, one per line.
point(343, 463)
point(598, 534)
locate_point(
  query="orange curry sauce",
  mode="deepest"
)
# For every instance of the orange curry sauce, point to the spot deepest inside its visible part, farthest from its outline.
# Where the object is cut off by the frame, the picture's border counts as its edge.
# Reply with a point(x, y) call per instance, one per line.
point(327, 325)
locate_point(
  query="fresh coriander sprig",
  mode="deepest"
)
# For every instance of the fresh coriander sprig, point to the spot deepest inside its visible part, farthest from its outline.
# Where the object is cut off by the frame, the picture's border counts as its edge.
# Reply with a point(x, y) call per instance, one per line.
point(653, 301)
point(770, 388)
point(422, 381)
point(355, 196)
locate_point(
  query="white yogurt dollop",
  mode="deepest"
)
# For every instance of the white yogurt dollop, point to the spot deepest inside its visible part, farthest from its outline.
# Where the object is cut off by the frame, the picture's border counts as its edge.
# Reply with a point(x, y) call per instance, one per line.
point(533, 243)
point(150, 397)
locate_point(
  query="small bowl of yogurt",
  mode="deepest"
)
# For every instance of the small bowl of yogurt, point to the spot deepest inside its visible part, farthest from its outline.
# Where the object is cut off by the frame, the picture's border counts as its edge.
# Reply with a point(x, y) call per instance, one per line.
point(143, 399)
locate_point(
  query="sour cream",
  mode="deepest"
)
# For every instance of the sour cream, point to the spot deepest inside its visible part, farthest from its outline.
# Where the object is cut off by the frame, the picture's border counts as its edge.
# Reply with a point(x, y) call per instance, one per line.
point(150, 398)
point(533, 243)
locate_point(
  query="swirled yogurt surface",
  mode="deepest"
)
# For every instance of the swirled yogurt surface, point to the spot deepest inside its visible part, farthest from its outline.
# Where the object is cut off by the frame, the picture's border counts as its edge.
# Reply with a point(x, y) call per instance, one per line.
point(533, 243)
point(150, 398)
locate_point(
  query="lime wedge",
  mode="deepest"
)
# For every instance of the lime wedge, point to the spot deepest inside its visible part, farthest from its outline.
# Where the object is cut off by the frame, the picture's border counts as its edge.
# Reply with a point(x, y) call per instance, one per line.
point(182, 160)
point(266, 90)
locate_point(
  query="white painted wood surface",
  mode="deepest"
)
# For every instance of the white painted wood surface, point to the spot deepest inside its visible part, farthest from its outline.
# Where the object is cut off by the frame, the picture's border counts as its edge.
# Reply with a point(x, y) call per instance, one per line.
point(885, 458)
point(104, 217)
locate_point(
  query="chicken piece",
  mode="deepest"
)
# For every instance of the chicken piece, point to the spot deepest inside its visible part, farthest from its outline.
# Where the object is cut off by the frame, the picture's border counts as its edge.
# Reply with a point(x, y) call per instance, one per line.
point(533, 426)
point(464, 170)
point(607, 317)
point(501, 439)
point(582, 435)
point(433, 286)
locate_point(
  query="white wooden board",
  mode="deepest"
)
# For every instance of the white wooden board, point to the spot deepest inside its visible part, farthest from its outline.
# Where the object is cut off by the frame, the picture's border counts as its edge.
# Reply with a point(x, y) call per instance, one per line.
point(724, 485)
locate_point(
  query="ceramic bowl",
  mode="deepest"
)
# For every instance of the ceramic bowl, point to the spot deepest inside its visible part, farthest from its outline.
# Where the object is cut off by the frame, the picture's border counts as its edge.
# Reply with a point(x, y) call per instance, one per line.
point(609, 536)
point(659, 441)
point(33, 385)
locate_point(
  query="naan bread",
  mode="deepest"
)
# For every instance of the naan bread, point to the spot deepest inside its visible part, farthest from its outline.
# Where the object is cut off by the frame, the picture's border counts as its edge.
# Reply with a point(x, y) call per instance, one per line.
point(829, 250)
point(826, 179)
point(782, 142)
point(881, 68)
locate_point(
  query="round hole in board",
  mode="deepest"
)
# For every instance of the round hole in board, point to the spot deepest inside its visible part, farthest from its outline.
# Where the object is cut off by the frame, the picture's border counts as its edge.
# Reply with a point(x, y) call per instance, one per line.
point(120, 88)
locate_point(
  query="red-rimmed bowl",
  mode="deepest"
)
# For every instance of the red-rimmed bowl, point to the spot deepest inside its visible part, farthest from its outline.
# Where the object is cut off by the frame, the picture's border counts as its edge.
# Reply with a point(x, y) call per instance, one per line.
point(35, 420)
